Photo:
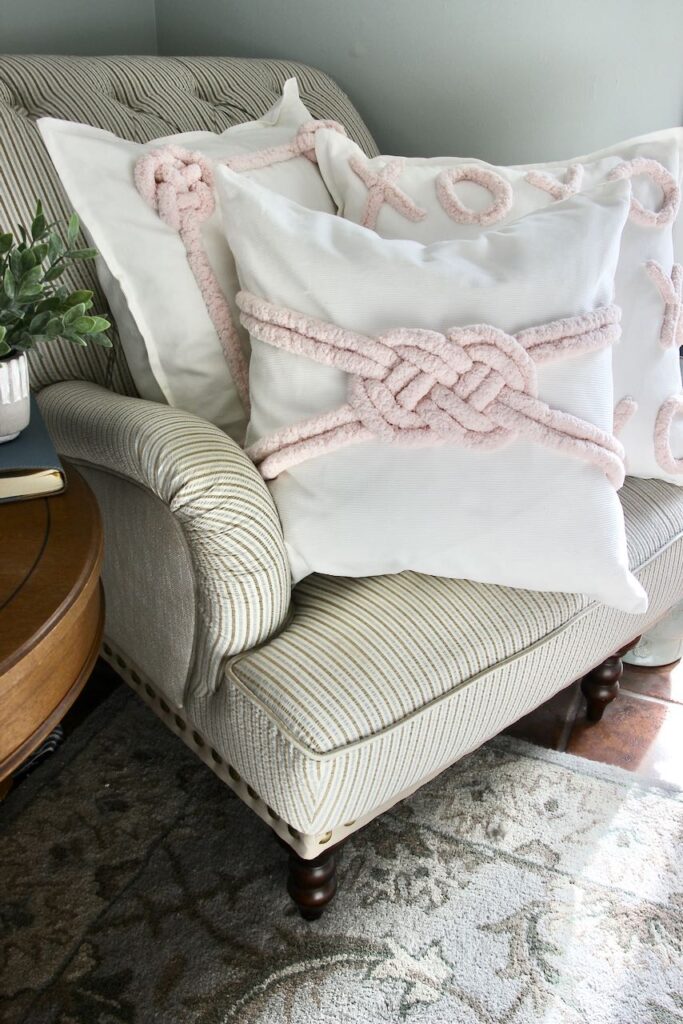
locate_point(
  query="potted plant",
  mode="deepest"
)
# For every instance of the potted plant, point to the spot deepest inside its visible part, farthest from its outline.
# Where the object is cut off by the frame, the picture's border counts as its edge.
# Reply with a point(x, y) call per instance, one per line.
point(35, 307)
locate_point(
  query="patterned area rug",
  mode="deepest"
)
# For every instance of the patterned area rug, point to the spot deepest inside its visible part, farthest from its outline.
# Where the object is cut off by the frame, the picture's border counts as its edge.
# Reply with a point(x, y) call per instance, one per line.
point(520, 886)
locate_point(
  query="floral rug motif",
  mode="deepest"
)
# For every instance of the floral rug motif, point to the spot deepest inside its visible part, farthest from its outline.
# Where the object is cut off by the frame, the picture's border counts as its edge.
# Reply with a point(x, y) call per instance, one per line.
point(519, 887)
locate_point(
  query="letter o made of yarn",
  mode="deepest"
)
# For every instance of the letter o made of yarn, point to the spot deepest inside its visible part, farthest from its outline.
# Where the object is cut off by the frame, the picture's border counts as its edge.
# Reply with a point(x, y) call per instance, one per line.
point(499, 188)
point(666, 181)
point(669, 411)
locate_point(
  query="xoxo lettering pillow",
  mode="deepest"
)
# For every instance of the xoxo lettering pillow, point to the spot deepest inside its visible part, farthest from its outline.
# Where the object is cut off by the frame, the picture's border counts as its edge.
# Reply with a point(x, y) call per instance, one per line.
point(443, 408)
point(431, 200)
point(165, 267)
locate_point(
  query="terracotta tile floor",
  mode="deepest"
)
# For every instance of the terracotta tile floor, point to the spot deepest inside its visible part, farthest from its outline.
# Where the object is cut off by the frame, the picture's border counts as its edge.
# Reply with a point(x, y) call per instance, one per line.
point(642, 730)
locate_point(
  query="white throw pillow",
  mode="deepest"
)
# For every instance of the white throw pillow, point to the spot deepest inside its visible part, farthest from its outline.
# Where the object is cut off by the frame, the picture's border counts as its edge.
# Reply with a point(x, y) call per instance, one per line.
point(170, 341)
point(431, 200)
point(528, 512)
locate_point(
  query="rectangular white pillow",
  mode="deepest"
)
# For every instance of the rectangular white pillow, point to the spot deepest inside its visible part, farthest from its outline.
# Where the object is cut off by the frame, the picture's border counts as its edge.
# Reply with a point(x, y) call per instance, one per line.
point(170, 341)
point(524, 514)
point(440, 198)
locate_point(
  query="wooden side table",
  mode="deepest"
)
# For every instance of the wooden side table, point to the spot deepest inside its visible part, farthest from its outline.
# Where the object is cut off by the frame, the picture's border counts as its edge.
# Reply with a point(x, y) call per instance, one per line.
point(51, 614)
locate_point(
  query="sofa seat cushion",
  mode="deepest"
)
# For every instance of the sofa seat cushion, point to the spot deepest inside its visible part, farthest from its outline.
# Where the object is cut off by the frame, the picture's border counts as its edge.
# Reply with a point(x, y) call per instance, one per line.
point(377, 684)
point(361, 654)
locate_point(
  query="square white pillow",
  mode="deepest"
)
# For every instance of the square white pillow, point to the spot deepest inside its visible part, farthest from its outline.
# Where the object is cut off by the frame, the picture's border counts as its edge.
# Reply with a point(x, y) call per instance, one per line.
point(431, 200)
point(170, 341)
point(525, 514)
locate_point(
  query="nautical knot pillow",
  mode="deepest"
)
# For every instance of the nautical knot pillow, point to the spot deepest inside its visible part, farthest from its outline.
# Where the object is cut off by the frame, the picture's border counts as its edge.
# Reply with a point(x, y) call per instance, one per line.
point(443, 408)
point(434, 199)
point(165, 266)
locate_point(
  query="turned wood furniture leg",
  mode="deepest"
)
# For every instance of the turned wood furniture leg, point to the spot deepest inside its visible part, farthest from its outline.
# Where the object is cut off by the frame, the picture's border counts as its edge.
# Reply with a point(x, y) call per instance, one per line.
point(312, 883)
point(601, 686)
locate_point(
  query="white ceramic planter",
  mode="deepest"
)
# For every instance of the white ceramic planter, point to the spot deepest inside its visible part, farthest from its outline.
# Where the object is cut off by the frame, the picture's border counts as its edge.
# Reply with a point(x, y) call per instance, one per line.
point(15, 405)
point(663, 644)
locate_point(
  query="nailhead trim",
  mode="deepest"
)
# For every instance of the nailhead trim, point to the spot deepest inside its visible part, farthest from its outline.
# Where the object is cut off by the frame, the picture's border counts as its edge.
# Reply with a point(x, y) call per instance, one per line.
point(173, 718)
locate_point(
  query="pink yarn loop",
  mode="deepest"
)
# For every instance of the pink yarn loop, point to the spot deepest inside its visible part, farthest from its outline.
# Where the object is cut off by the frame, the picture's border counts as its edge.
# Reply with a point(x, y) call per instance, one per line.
point(303, 144)
point(304, 141)
point(671, 291)
point(474, 386)
point(660, 176)
point(500, 189)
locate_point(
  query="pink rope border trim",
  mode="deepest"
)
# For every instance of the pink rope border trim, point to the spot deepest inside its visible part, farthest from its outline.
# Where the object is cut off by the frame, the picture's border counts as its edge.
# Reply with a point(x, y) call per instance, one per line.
point(303, 144)
point(178, 184)
point(475, 386)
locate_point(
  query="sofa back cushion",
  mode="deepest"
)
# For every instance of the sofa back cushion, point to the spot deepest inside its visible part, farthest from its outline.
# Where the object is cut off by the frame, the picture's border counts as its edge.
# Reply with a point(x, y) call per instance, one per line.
point(138, 98)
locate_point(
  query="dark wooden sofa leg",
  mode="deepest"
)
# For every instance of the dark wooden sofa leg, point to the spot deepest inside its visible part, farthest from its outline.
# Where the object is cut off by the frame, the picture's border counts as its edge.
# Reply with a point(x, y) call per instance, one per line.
point(312, 883)
point(601, 686)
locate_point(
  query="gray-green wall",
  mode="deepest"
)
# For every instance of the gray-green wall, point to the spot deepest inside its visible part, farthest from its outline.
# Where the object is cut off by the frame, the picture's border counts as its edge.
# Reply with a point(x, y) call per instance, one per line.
point(77, 26)
point(505, 80)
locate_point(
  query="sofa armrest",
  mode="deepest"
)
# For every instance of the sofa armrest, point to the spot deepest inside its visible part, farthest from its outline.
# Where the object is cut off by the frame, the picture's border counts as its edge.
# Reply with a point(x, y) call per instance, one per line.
point(224, 510)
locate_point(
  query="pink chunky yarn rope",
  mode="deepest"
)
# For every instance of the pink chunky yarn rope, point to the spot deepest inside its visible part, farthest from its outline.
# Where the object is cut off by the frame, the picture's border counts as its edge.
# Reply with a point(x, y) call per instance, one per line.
point(668, 412)
point(671, 291)
point(178, 184)
point(500, 189)
point(473, 386)
point(383, 188)
point(558, 189)
point(660, 176)
point(303, 144)
point(623, 413)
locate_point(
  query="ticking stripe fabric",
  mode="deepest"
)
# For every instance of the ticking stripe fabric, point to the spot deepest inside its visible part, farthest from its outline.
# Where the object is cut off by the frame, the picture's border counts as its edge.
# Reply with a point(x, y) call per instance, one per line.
point(379, 683)
point(217, 497)
point(138, 98)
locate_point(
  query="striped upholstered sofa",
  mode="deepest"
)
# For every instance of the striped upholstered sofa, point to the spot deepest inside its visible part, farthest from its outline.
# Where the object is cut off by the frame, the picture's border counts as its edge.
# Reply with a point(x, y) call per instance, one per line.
point(323, 706)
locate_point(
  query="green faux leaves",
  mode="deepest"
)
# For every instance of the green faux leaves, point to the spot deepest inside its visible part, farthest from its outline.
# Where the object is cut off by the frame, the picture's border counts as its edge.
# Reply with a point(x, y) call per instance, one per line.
point(34, 306)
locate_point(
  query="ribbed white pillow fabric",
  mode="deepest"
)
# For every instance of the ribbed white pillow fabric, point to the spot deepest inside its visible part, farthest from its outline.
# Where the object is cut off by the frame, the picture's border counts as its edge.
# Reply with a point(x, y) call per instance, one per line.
point(643, 370)
point(524, 516)
point(169, 340)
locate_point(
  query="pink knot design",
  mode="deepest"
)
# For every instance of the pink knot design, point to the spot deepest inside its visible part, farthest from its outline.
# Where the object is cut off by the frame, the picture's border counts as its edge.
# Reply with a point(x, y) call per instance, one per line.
point(383, 188)
point(178, 184)
point(660, 176)
point(573, 180)
point(303, 144)
point(472, 386)
point(500, 189)
point(671, 291)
